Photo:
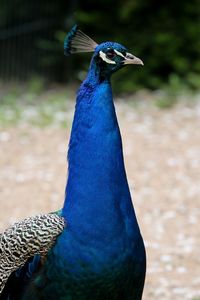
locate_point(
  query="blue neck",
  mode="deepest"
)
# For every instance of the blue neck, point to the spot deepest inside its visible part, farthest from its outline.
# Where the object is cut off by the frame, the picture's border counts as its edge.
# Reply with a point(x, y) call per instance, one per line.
point(97, 191)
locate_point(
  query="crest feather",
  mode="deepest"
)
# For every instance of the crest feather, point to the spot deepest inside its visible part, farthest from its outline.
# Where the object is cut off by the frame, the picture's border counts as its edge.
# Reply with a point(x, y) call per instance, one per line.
point(76, 41)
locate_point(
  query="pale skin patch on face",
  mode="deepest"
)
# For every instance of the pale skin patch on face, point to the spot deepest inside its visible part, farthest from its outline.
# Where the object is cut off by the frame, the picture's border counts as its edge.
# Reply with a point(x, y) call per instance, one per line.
point(103, 56)
point(119, 53)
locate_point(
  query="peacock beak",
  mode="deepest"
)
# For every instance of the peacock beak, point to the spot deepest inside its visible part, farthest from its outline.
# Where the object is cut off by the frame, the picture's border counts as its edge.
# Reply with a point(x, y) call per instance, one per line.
point(130, 59)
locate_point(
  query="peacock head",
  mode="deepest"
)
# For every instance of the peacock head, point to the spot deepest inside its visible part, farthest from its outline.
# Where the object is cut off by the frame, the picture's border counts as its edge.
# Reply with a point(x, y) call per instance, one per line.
point(108, 57)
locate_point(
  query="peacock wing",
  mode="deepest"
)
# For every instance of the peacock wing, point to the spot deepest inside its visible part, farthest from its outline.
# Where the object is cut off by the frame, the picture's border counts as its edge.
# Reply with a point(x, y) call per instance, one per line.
point(27, 242)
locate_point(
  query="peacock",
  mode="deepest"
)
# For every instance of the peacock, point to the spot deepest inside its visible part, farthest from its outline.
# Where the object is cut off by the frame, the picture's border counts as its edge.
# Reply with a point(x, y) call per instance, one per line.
point(93, 248)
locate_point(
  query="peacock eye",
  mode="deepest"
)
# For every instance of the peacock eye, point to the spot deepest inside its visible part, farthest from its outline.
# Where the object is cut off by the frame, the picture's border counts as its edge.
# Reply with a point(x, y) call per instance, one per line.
point(110, 53)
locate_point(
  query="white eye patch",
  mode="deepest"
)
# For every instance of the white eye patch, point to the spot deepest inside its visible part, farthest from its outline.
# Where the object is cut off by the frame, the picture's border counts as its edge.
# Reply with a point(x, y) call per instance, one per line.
point(119, 53)
point(103, 56)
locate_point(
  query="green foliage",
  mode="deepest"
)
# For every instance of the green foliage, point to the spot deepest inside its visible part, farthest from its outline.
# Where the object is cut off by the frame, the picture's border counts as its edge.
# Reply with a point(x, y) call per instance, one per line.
point(171, 93)
point(166, 102)
point(165, 35)
point(35, 85)
point(50, 107)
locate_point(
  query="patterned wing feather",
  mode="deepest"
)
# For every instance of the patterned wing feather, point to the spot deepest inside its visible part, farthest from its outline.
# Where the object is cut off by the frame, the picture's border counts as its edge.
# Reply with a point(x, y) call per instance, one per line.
point(25, 239)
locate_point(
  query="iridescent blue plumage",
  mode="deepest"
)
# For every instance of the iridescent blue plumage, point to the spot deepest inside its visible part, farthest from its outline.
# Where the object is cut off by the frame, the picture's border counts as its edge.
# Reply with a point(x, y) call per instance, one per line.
point(68, 40)
point(100, 254)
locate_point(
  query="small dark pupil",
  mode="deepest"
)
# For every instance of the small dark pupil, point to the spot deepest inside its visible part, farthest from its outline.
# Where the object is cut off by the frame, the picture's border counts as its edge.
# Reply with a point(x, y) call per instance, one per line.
point(110, 54)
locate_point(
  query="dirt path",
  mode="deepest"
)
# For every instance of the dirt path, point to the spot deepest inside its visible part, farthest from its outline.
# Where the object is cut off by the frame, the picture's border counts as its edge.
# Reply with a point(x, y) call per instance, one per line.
point(162, 153)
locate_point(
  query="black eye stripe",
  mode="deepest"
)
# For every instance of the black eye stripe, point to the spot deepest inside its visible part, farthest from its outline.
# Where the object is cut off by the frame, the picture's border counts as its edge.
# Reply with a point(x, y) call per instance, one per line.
point(110, 53)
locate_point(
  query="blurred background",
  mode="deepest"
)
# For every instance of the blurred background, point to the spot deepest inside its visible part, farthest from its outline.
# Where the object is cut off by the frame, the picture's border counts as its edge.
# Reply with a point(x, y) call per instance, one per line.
point(158, 107)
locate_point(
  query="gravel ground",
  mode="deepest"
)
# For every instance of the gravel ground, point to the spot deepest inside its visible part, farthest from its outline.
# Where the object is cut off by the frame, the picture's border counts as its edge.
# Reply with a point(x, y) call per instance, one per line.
point(162, 154)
